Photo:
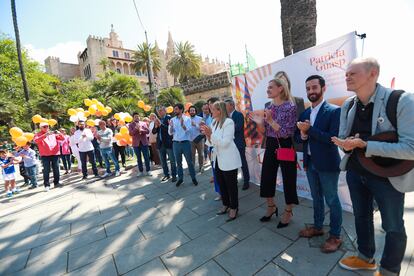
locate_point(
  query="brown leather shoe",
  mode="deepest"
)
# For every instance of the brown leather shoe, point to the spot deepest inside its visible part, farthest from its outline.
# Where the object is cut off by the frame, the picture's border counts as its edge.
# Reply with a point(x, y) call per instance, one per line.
point(310, 232)
point(331, 245)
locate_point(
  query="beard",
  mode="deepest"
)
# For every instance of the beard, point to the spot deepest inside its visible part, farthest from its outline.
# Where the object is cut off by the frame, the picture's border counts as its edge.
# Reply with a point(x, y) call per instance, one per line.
point(81, 128)
point(314, 97)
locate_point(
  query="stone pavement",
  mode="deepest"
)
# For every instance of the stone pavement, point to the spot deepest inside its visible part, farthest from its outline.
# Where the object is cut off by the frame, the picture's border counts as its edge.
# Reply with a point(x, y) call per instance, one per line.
point(140, 226)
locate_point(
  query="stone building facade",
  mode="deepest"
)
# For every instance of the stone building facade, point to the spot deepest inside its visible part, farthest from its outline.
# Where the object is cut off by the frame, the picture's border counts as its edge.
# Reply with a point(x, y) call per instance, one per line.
point(217, 85)
point(121, 60)
point(66, 71)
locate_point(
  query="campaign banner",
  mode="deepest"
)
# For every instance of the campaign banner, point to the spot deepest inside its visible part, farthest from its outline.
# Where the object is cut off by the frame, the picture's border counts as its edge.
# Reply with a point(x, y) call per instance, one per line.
point(329, 60)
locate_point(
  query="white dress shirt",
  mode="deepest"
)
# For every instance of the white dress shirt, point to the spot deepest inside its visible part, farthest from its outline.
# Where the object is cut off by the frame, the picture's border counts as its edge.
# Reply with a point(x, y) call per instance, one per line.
point(177, 131)
point(84, 143)
point(195, 130)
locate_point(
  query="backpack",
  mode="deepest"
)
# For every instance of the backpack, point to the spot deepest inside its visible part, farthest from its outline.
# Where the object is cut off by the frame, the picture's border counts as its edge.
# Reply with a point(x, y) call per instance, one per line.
point(391, 108)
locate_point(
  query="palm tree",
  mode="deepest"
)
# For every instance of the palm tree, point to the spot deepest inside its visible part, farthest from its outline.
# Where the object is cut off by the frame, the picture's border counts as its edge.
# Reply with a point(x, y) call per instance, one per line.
point(19, 50)
point(170, 96)
point(186, 63)
point(104, 62)
point(298, 19)
point(141, 58)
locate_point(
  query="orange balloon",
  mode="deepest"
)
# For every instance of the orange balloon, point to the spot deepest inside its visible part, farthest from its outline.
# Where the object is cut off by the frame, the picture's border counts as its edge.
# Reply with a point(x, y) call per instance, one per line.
point(169, 109)
point(187, 106)
point(98, 113)
point(141, 104)
point(147, 108)
point(122, 142)
point(121, 122)
point(118, 136)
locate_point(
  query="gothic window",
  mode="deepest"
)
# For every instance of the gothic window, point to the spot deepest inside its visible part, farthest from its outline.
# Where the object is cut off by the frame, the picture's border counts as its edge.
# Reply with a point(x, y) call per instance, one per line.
point(115, 53)
point(126, 55)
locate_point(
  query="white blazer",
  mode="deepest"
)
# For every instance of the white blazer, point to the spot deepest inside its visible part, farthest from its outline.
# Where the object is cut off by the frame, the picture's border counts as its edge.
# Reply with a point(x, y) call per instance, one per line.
point(225, 150)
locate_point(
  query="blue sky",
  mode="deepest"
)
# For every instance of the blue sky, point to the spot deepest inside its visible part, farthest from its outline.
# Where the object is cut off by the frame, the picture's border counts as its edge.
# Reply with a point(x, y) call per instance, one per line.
point(217, 28)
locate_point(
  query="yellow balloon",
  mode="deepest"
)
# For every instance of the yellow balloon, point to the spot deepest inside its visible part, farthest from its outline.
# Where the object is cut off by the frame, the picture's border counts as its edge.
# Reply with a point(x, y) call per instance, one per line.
point(92, 110)
point(128, 118)
point(105, 112)
point(95, 101)
point(52, 122)
point(118, 136)
point(124, 130)
point(108, 109)
point(141, 104)
point(86, 114)
point(169, 109)
point(44, 120)
point(100, 106)
point(90, 123)
point(80, 109)
point(15, 132)
point(147, 108)
point(72, 111)
point(36, 118)
point(21, 141)
point(87, 102)
point(116, 116)
point(29, 136)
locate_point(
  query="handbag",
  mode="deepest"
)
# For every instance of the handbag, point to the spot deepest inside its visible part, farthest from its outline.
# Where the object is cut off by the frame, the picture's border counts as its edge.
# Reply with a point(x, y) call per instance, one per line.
point(285, 154)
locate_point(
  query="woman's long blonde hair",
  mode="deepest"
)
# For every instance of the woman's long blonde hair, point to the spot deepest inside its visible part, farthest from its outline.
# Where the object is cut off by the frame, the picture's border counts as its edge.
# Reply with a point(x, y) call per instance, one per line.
point(285, 94)
point(223, 114)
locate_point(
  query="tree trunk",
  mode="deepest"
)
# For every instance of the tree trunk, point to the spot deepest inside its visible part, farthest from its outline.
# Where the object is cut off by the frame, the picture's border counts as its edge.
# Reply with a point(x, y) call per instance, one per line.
point(299, 20)
point(19, 50)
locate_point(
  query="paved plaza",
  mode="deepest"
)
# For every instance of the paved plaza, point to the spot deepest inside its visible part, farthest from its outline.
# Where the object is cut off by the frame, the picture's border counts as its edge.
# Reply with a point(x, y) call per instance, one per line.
point(140, 226)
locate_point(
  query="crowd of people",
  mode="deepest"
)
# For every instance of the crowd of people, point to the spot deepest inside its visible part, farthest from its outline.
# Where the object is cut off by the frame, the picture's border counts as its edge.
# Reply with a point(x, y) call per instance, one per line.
point(217, 134)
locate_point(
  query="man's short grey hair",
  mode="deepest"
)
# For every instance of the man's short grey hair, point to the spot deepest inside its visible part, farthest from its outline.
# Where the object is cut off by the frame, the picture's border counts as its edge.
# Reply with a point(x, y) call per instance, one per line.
point(229, 101)
point(160, 108)
point(368, 63)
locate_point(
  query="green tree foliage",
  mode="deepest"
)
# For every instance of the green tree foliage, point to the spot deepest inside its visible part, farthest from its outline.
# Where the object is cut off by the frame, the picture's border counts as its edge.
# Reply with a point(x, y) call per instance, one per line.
point(186, 64)
point(170, 96)
point(114, 85)
point(141, 58)
point(199, 105)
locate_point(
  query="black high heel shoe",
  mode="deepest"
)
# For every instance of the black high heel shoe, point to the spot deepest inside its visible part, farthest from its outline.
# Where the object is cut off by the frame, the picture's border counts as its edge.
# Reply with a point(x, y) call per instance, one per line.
point(283, 225)
point(223, 211)
point(235, 216)
point(267, 218)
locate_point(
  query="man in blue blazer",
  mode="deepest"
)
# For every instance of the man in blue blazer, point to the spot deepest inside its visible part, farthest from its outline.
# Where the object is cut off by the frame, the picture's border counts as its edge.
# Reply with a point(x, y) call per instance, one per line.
point(316, 127)
point(238, 119)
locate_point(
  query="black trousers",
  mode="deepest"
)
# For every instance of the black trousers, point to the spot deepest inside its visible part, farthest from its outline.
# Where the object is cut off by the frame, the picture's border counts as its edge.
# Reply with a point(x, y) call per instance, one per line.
point(227, 181)
point(91, 156)
point(119, 150)
point(66, 161)
point(245, 166)
point(46, 162)
point(269, 172)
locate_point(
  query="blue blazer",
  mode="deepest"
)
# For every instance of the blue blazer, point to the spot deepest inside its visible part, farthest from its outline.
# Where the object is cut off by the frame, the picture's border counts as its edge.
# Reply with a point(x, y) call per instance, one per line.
point(238, 119)
point(325, 155)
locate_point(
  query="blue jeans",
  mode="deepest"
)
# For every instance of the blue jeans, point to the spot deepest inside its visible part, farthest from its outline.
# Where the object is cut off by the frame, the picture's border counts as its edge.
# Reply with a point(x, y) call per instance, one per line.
point(363, 191)
point(325, 185)
point(46, 161)
point(183, 148)
point(163, 156)
point(107, 154)
point(32, 173)
point(144, 150)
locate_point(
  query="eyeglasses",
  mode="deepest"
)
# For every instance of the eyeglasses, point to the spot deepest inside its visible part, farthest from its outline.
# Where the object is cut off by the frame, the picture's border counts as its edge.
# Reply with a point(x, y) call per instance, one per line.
point(44, 126)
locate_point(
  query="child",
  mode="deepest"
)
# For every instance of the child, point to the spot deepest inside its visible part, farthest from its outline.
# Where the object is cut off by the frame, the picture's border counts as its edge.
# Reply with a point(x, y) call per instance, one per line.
point(6, 162)
point(29, 159)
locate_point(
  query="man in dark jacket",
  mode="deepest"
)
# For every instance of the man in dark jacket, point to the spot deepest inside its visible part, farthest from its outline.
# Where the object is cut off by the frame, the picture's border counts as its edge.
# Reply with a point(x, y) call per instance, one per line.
point(164, 144)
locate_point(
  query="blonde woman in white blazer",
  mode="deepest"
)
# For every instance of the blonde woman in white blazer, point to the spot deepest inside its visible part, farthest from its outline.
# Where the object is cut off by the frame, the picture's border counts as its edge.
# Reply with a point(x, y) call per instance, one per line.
point(226, 157)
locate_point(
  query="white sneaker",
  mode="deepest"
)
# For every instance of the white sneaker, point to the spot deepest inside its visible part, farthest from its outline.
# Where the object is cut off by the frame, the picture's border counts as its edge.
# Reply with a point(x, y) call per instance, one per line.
point(140, 174)
point(117, 173)
point(148, 174)
point(47, 189)
point(106, 174)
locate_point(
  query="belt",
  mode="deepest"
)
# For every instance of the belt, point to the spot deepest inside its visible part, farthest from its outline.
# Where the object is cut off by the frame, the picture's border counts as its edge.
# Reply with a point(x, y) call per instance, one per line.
point(185, 141)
